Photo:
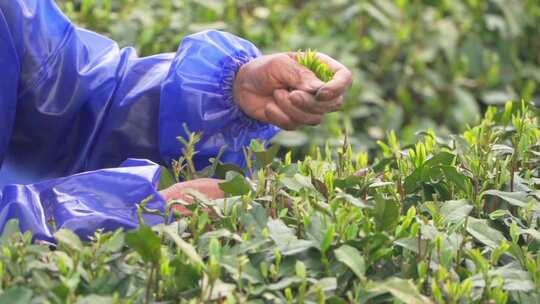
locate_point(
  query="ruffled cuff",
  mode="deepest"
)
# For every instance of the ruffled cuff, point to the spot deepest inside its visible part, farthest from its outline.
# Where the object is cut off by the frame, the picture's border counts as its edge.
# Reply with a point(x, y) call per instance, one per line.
point(230, 68)
point(198, 92)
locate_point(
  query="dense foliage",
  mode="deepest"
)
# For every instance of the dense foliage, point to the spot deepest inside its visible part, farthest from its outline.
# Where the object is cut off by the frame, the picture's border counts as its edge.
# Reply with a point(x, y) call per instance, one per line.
point(420, 218)
point(416, 64)
point(447, 220)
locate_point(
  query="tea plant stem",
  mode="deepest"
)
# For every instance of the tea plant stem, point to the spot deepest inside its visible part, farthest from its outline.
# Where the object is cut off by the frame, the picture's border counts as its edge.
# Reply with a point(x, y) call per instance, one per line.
point(419, 243)
point(273, 203)
point(203, 291)
point(149, 284)
point(249, 165)
point(494, 203)
point(461, 246)
point(401, 190)
point(429, 247)
point(512, 174)
point(158, 279)
point(211, 290)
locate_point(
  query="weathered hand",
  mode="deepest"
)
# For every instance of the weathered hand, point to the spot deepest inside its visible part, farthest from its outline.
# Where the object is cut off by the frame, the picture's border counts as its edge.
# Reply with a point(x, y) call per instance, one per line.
point(277, 89)
point(207, 186)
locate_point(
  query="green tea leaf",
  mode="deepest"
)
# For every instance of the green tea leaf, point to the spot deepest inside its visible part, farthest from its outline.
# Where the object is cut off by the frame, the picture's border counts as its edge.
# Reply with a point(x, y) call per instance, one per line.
point(186, 275)
point(386, 213)
point(166, 178)
point(188, 249)
point(320, 186)
point(235, 184)
point(347, 182)
point(249, 273)
point(9, 229)
point(328, 238)
point(145, 242)
point(352, 258)
point(286, 240)
point(351, 200)
point(69, 239)
point(16, 295)
point(221, 170)
point(481, 231)
point(456, 178)
point(440, 159)
point(403, 290)
point(95, 299)
point(265, 157)
point(512, 279)
point(431, 169)
point(518, 198)
point(297, 182)
point(455, 211)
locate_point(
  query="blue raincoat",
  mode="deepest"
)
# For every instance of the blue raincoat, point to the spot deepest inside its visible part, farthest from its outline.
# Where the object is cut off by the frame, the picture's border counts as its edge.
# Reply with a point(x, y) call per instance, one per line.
point(72, 104)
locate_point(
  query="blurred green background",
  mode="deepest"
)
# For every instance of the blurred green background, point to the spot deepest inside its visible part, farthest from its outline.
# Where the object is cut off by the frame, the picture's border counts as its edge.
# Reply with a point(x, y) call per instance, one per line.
point(417, 64)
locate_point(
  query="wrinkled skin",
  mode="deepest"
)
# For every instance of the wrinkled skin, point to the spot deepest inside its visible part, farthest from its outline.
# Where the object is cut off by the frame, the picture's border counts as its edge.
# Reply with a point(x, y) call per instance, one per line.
point(207, 186)
point(276, 89)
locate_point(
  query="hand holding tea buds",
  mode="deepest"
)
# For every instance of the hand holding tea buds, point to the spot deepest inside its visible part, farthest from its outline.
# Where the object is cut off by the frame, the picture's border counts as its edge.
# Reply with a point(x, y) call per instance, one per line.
point(281, 90)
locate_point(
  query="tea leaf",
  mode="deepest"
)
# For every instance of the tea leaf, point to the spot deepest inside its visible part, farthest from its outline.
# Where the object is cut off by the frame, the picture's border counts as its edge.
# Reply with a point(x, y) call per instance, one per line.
point(352, 258)
point(145, 242)
point(69, 239)
point(185, 247)
point(455, 211)
point(16, 295)
point(481, 231)
point(9, 229)
point(403, 290)
point(386, 213)
point(235, 184)
point(285, 239)
point(520, 199)
point(265, 157)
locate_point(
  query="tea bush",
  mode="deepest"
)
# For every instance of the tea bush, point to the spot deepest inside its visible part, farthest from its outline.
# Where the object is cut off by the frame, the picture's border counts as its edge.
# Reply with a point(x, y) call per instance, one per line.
point(416, 64)
point(450, 219)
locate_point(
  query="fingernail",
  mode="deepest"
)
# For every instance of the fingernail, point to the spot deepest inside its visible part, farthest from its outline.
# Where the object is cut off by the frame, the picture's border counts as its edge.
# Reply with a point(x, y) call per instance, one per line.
point(316, 84)
point(319, 94)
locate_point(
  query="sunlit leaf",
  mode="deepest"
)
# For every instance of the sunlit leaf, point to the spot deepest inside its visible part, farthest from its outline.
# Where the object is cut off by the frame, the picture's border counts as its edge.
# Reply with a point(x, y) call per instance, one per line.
point(403, 290)
point(69, 239)
point(352, 258)
point(481, 231)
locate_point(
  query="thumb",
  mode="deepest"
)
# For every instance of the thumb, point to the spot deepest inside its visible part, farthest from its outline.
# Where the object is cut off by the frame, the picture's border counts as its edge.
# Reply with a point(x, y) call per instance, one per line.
point(295, 76)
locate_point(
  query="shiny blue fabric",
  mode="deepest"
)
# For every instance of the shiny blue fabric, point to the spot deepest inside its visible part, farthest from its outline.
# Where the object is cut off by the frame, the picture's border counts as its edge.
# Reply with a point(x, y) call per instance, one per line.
point(72, 101)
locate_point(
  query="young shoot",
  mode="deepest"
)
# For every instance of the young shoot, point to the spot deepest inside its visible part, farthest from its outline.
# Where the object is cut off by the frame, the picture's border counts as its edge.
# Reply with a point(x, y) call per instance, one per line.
point(311, 60)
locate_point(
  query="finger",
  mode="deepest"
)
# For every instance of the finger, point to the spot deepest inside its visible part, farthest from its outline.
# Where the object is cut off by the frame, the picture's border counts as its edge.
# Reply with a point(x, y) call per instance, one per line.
point(294, 76)
point(307, 103)
point(173, 192)
point(335, 87)
point(282, 99)
point(277, 117)
point(206, 186)
point(339, 84)
point(182, 210)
